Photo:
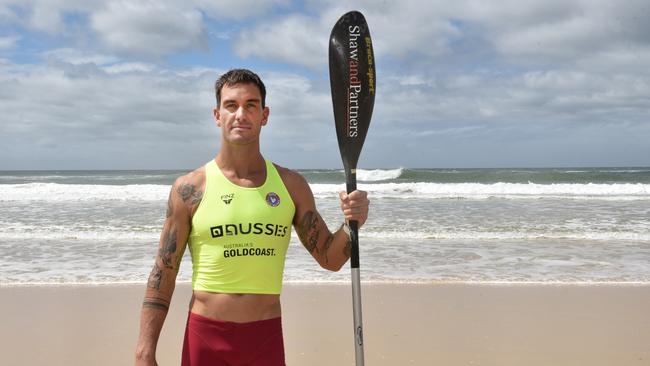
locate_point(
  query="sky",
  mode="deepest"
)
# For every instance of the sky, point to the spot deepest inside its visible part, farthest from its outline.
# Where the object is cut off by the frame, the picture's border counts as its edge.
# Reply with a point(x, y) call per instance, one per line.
point(114, 84)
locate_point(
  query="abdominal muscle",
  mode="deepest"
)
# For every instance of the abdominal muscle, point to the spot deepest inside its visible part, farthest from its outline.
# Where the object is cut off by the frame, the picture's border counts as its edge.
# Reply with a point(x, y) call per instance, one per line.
point(239, 308)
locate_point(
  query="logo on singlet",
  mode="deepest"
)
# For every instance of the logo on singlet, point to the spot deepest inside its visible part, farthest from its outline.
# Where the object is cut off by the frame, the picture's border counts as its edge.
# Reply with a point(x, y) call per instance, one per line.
point(272, 199)
point(257, 228)
point(226, 198)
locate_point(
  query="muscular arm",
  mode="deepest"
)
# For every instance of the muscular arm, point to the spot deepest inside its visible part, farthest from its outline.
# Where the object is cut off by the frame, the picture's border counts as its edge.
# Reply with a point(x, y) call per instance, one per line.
point(331, 250)
point(183, 198)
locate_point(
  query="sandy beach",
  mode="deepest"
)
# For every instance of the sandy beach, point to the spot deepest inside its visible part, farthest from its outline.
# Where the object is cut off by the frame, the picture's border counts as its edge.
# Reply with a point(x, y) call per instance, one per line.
point(405, 324)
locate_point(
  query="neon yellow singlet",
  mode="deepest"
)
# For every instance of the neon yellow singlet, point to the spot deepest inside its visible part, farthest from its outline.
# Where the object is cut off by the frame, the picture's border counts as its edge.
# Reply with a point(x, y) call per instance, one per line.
point(240, 235)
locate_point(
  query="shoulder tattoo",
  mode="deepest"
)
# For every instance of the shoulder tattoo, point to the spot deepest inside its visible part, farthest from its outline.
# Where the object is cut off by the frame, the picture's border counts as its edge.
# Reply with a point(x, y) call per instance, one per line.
point(188, 192)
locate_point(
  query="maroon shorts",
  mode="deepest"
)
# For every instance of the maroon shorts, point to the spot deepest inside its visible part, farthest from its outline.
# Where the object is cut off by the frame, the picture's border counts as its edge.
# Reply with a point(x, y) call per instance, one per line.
point(215, 342)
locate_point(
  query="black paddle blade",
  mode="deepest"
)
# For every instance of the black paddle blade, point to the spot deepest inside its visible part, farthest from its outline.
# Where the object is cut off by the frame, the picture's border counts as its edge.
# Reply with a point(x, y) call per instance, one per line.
point(352, 80)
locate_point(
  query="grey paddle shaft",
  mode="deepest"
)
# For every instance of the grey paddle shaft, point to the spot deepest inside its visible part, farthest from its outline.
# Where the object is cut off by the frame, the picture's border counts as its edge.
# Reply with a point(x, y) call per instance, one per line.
point(358, 322)
point(356, 281)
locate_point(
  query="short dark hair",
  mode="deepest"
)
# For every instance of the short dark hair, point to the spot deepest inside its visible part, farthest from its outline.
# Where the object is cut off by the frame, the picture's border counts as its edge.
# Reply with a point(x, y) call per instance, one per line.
point(239, 76)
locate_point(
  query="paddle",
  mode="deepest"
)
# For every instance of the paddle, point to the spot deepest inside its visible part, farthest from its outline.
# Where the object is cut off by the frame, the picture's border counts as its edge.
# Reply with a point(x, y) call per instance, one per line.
point(352, 80)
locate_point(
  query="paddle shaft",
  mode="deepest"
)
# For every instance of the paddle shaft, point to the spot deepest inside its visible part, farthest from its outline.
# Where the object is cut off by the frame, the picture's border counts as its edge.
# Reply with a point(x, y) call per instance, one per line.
point(351, 185)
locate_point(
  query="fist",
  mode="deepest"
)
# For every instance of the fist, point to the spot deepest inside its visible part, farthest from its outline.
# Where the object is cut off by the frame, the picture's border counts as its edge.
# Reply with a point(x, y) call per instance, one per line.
point(355, 206)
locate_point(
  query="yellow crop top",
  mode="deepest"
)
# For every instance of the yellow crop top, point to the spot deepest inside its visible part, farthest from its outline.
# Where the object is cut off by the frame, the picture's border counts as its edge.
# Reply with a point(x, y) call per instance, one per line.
point(240, 235)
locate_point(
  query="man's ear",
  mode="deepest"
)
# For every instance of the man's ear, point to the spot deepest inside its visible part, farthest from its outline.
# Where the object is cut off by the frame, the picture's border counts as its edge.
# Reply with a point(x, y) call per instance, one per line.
point(217, 116)
point(265, 114)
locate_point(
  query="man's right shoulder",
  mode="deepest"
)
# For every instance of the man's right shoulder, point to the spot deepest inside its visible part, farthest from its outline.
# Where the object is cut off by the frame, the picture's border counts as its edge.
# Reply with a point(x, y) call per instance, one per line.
point(196, 177)
point(190, 186)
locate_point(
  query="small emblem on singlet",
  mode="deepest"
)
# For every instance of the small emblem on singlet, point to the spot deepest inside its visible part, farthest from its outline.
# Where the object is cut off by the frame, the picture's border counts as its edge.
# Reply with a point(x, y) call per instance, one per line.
point(226, 198)
point(272, 199)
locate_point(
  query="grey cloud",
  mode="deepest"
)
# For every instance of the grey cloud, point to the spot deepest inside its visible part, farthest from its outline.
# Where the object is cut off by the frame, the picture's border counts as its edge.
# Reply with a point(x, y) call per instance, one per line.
point(296, 39)
point(8, 42)
point(149, 28)
point(460, 84)
point(76, 57)
point(44, 15)
point(61, 109)
point(401, 30)
point(237, 9)
point(137, 28)
point(535, 31)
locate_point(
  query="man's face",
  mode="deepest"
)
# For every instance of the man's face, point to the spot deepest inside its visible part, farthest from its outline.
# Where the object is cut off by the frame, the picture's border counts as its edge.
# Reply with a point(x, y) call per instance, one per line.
point(240, 114)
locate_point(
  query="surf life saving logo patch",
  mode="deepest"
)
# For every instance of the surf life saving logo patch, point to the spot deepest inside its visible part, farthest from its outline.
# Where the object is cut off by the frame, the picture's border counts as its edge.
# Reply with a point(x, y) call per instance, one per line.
point(272, 199)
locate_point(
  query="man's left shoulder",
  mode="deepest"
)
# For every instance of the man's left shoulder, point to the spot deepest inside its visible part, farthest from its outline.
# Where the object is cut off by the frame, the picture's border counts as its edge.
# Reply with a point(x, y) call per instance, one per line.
point(293, 180)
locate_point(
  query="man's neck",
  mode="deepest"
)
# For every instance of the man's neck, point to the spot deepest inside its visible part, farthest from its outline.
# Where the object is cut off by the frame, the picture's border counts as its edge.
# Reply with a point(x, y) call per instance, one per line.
point(241, 161)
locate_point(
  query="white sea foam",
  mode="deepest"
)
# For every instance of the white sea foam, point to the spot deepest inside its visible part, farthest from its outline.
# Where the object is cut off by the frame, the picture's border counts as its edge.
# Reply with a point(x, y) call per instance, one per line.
point(378, 174)
point(510, 235)
point(54, 192)
point(625, 171)
point(624, 191)
point(18, 231)
point(639, 232)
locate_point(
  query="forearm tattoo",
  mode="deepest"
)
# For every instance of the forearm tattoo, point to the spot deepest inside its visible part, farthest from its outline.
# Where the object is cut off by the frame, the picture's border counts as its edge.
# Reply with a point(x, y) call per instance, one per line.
point(189, 192)
point(308, 230)
point(155, 277)
point(347, 249)
point(328, 244)
point(168, 247)
point(156, 303)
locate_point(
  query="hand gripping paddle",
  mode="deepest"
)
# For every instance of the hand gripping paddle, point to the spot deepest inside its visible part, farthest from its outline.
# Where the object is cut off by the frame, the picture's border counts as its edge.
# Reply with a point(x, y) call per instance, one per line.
point(352, 80)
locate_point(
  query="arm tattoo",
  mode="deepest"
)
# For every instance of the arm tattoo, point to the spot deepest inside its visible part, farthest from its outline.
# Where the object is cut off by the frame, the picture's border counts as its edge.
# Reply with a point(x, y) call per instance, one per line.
point(179, 259)
point(155, 277)
point(328, 244)
point(168, 248)
point(347, 249)
point(170, 210)
point(156, 303)
point(308, 232)
point(188, 191)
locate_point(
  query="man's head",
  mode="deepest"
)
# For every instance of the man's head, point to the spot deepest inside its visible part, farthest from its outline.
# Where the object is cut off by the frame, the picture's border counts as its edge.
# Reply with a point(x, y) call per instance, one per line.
point(239, 76)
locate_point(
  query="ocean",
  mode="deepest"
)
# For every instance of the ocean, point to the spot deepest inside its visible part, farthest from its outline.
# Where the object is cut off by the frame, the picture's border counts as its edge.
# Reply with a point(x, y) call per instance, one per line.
point(563, 225)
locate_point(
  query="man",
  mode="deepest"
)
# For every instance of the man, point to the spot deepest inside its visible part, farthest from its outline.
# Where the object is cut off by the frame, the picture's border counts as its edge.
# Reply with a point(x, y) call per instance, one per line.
point(235, 213)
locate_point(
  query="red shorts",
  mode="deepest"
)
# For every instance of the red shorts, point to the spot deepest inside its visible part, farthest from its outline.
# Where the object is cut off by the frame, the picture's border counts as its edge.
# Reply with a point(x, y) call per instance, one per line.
point(216, 343)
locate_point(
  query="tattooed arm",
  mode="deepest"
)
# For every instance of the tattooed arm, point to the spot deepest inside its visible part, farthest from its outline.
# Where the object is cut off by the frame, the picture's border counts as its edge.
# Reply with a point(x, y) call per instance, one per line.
point(184, 197)
point(331, 250)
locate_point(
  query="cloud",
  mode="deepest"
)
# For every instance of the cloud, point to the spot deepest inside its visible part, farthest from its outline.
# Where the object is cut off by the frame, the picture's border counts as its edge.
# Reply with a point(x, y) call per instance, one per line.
point(579, 30)
point(121, 115)
point(401, 30)
point(238, 9)
point(44, 15)
point(61, 109)
point(8, 42)
point(465, 83)
point(142, 28)
point(77, 57)
point(129, 67)
point(7, 15)
point(296, 39)
point(434, 31)
point(148, 28)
